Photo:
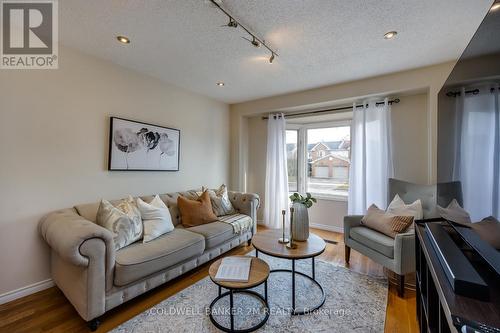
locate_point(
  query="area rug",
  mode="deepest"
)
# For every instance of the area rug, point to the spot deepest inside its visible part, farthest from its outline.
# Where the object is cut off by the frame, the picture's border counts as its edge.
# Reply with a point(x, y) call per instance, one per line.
point(354, 303)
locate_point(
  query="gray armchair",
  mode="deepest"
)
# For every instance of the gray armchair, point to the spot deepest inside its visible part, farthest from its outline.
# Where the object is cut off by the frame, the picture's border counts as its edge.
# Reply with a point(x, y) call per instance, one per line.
point(398, 254)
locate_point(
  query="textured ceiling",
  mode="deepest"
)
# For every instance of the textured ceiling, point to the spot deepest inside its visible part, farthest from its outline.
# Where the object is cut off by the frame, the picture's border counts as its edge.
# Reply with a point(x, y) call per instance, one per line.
point(320, 42)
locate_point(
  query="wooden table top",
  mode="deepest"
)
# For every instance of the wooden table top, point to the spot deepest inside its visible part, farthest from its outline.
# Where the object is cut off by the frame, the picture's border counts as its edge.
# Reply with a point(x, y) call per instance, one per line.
point(259, 272)
point(267, 242)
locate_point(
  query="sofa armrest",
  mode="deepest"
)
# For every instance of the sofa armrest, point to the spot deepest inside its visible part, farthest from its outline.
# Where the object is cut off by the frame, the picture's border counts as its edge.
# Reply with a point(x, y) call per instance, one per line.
point(351, 221)
point(246, 203)
point(82, 260)
point(65, 231)
point(404, 252)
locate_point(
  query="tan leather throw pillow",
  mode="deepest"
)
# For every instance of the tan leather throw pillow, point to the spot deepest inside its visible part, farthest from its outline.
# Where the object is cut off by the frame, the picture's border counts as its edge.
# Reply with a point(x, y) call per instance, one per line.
point(386, 223)
point(196, 212)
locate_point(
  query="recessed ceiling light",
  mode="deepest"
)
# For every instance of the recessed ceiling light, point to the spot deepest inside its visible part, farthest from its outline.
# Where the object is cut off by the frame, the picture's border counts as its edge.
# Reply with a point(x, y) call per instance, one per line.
point(220, 84)
point(390, 34)
point(496, 6)
point(123, 39)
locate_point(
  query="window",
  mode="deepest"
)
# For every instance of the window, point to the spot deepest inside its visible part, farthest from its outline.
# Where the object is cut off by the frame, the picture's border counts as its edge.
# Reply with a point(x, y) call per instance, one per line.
point(321, 165)
point(292, 137)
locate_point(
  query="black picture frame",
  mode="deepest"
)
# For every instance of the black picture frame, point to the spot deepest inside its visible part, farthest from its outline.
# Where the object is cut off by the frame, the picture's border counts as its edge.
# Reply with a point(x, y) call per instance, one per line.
point(157, 137)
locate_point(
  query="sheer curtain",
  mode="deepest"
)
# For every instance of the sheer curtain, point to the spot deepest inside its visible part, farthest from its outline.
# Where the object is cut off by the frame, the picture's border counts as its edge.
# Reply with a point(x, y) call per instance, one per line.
point(276, 193)
point(476, 164)
point(371, 157)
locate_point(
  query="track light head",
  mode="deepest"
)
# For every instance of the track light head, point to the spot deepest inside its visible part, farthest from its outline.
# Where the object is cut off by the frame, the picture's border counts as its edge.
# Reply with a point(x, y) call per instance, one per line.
point(271, 59)
point(253, 41)
point(232, 23)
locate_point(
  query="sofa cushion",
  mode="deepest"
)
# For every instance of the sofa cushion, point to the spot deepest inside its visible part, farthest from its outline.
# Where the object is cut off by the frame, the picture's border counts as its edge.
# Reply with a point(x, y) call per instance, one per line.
point(374, 240)
point(139, 260)
point(215, 233)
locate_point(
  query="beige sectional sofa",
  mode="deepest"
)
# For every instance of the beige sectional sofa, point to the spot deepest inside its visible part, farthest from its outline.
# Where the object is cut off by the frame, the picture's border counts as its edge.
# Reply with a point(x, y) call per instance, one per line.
point(95, 278)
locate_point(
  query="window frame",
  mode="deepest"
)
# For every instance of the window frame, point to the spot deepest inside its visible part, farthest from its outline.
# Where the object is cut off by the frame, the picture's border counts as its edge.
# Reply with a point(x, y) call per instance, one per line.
point(302, 155)
point(298, 153)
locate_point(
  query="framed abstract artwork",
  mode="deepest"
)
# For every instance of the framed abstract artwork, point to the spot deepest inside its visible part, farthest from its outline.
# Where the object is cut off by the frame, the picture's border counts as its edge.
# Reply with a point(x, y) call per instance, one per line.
point(137, 146)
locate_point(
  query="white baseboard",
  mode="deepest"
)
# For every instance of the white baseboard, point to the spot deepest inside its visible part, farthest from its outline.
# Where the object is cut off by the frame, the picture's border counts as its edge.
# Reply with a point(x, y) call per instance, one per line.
point(326, 227)
point(25, 291)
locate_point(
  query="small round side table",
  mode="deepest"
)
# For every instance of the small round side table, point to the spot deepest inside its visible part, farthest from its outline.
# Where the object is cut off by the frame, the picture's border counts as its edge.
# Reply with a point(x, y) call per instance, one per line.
point(259, 272)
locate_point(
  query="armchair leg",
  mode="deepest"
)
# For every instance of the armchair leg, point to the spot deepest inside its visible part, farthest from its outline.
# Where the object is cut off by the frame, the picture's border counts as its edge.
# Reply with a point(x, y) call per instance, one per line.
point(249, 242)
point(401, 285)
point(93, 324)
point(347, 254)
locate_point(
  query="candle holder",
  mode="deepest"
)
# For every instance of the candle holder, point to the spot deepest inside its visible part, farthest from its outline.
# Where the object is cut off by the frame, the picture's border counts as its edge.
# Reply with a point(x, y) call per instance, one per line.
point(283, 240)
point(291, 244)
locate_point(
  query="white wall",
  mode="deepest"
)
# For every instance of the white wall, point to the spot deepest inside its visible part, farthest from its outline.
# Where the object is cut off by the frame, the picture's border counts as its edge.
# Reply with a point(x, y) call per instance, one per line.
point(54, 144)
point(411, 154)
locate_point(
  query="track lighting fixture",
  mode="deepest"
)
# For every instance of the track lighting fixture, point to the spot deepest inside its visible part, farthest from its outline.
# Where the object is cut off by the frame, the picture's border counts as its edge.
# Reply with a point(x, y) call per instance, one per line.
point(255, 41)
point(271, 59)
point(232, 23)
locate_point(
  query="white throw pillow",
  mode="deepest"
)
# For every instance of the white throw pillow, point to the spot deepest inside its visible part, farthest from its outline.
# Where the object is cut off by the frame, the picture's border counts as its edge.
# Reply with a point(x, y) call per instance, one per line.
point(156, 218)
point(454, 212)
point(400, 208)
point(123, 220)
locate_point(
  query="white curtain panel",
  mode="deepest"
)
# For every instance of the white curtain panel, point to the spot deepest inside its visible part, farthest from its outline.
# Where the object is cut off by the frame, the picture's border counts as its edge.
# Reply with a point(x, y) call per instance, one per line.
point(276, 194)
point(476, 164)
point(371, 157)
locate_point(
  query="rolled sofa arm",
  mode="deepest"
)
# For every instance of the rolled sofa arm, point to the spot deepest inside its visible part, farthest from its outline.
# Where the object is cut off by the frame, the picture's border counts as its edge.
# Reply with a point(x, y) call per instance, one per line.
point(82, 260)
point(350, 221)
point(246, 203)
point(65, 231)
point(404, 252)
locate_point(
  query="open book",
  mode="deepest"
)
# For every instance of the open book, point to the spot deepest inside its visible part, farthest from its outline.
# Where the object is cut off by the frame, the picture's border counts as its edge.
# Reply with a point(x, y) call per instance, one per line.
point(234, 269)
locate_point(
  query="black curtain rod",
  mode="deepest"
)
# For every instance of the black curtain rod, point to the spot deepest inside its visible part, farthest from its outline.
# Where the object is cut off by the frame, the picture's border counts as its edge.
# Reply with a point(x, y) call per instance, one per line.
point(343, 108)
point(473, 92)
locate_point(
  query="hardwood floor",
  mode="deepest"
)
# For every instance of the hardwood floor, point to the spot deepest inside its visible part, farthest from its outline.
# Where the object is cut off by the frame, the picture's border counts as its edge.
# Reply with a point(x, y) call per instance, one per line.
point(49, 311)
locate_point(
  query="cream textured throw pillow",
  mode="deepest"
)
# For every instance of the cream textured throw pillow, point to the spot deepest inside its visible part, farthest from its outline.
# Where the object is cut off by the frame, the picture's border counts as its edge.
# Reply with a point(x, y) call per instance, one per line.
point(399, 207)
point(454, 213)
point(220, 201)
point(124, 221)
point(385, 223)
point(156, 218)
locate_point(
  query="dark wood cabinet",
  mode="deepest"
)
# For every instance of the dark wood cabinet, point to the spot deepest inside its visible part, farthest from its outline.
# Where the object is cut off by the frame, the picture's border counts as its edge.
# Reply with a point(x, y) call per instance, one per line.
point(439, 309)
